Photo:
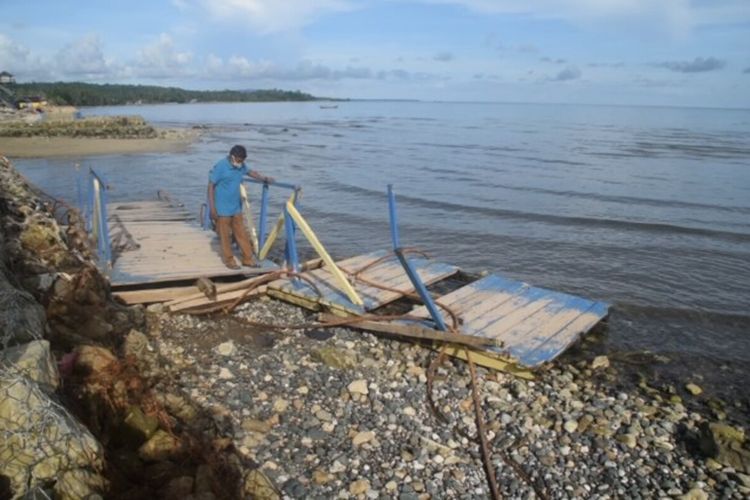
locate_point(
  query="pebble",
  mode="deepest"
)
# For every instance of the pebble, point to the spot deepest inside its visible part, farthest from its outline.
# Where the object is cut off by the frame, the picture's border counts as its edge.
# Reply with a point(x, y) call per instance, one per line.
point(226, 349)
point(358, 387)
point(359, 487)
point(571, 426)
point(577, 434)
point(363, 437)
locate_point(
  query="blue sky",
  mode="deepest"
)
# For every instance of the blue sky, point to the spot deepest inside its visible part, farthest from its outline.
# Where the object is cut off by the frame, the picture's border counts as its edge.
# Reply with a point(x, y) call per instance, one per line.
point(654, 52)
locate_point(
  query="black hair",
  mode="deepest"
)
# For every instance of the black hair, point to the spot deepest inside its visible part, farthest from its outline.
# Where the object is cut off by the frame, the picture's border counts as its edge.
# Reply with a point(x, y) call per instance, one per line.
point(238, 152)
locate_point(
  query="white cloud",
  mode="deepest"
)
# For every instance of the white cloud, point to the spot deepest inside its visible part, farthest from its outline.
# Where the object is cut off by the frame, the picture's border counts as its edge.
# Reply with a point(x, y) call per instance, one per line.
point(162, 60)
point(241, 67)
point(269, 16)
point(21, 62)
point(678, 16)
point(83, 57)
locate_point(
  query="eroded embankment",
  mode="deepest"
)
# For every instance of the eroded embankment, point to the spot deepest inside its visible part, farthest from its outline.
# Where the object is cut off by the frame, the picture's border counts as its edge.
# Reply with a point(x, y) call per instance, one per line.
point(78, 415)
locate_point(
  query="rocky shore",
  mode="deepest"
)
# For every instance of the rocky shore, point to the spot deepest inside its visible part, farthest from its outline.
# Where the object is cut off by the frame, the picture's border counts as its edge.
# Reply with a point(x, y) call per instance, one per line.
point(60, 133)
point(139, 403)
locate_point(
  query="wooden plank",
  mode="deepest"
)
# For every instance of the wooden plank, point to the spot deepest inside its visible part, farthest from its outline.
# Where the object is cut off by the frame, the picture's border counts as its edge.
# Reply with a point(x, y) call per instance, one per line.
point(221, 288)
point(220, 300)
point(477, 298)
point(411, 330)
point(156, 295)
point(547, 320)
point(551, 345)
point(492, 361)
point(373, 298)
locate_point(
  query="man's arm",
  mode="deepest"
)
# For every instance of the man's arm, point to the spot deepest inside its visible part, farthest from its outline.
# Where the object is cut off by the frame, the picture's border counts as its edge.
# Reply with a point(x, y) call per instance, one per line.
point(211, 201)
point(257, 175)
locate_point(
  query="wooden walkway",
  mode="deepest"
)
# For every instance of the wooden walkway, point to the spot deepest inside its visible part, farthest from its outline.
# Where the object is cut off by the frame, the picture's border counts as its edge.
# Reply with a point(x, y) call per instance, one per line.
point(529, 325)
point(388, 273)
point(158, 241)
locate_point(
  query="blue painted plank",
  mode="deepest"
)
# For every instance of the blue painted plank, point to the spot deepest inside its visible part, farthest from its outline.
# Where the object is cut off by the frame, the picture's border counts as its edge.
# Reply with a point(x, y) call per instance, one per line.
point(535, 324)
point(550, 346)
point(372, 297)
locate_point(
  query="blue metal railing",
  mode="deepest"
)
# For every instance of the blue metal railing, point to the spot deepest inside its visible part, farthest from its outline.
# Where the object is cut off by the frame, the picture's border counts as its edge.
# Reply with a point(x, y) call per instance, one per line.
point(264, 200)
point(290, 229)
point(410, 271)
point(95, 213)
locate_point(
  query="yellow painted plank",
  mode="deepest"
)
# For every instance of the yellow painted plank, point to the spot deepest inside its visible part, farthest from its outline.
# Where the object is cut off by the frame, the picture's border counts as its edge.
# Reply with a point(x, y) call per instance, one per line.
point(308, 232)
point(491, 361)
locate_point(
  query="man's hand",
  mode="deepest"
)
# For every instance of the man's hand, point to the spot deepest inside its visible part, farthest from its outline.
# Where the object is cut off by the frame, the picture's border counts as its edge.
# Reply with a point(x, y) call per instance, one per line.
point(268, 180)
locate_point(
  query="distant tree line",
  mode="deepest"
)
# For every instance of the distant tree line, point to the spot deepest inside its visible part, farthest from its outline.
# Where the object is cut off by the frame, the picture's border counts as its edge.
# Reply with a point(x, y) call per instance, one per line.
point(89, 94)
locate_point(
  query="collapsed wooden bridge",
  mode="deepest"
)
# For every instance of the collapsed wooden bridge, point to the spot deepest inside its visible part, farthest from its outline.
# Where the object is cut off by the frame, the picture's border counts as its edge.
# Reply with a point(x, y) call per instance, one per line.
point(151, 248)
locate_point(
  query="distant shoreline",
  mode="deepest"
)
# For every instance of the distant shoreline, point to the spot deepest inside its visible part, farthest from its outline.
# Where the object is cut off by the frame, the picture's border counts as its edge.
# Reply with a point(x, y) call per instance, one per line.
point(169, 141)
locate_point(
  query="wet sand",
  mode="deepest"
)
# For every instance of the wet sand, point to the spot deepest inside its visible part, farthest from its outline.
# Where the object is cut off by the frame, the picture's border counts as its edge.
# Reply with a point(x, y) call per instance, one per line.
point(174, 140)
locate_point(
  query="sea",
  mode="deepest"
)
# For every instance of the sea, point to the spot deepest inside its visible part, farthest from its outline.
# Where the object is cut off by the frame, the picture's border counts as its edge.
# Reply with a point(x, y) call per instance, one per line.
point(647, 208)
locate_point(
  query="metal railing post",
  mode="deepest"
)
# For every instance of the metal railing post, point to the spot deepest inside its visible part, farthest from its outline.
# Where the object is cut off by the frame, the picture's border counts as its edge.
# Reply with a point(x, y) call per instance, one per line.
point(410, 271)
point(263, 216)
point(291, 244)
point(99, 223)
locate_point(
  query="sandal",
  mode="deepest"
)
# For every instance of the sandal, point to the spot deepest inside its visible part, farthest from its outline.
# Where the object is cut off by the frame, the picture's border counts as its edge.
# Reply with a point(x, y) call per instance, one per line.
point(232, 264)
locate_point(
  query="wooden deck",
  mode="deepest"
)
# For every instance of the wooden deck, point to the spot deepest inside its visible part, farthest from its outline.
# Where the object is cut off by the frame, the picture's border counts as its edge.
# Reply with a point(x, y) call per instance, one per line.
point(388, 273)
point(158, 241)
point(531, 325)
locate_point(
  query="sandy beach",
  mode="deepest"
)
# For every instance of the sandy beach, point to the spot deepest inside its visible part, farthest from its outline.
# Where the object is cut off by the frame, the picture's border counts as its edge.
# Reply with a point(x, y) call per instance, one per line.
point(171, 140)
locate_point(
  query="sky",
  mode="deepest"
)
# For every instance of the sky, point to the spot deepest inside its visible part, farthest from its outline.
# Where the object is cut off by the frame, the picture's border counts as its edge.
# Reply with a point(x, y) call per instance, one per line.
point(642, 52)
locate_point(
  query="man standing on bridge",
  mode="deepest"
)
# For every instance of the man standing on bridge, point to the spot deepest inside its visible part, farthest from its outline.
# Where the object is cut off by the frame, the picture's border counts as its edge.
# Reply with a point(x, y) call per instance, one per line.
point(225, 204)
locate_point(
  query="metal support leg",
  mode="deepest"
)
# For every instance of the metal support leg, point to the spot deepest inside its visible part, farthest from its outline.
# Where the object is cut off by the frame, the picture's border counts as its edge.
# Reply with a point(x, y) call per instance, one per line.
point(263, 216)
point(291, 245)
point(410, 271)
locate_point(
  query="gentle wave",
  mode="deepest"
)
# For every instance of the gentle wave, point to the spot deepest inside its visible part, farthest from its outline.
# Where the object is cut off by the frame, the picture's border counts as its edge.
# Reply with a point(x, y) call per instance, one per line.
point(629, 200)
point(565, 220)
point(716, 318)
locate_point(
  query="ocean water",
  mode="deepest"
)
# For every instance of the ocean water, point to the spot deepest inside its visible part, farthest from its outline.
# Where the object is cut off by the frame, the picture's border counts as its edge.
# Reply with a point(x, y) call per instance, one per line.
point(647, 208)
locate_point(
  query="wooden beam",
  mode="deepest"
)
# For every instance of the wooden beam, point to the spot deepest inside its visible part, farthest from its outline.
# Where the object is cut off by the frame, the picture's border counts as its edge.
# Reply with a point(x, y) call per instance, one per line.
point(156, 295)
point(412, 331)
point(220, 289)
point(203, 303)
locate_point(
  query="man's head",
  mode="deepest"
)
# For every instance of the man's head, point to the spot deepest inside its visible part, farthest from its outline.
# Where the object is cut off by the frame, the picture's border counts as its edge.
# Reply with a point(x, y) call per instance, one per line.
point(237, 155)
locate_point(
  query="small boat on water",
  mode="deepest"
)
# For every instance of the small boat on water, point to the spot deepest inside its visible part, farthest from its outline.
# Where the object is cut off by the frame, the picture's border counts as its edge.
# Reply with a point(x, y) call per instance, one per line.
point(329, 106)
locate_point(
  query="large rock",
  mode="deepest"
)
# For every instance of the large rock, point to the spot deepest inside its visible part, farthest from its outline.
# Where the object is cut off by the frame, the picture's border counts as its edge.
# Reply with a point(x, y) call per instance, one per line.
point(41, 238)
point(93, 360)
point(335, 358)
point(161, 446)
point(137, 347)
point(42, 444)
point(22, 319)
point(139, 426)
point(725, 444)
point(33, 360)
point(258, 486)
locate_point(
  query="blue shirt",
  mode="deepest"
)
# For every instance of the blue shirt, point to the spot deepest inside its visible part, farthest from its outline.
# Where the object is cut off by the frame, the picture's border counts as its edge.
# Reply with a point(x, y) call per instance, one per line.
point(226, 180)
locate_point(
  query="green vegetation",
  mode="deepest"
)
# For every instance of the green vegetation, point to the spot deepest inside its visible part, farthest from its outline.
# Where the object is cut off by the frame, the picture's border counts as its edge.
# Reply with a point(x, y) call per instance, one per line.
point(89, 94)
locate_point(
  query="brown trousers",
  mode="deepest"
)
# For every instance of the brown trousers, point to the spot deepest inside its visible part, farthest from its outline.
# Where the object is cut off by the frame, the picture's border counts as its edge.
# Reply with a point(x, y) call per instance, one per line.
point(226, 227)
